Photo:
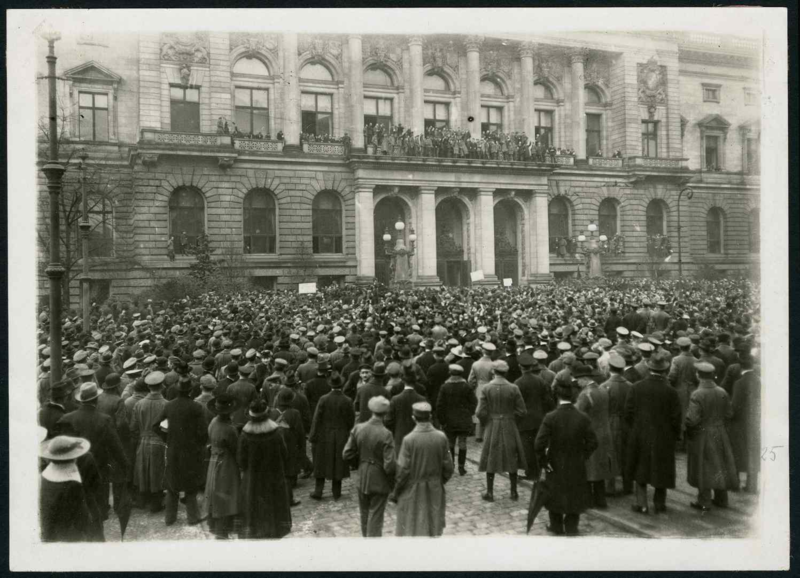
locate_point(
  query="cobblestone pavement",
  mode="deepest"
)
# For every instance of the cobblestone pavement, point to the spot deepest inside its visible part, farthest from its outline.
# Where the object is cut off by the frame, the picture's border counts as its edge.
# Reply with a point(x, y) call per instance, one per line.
point(469, 515)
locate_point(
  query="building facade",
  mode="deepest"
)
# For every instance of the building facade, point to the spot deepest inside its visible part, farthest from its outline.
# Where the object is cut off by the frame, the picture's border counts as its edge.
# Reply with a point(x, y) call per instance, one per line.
point(678, 109)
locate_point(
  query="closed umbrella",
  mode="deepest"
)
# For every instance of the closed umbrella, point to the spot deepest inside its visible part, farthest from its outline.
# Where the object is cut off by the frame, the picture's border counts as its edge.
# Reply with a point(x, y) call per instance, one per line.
point(539, 493)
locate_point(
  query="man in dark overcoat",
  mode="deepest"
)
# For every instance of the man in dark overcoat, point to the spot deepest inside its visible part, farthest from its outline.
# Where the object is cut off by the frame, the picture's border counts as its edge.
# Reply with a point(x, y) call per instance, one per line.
point(653, 413)
point(365, 393)
point(330, 429)
point(186, 439)
point(400, 417)
point(564, 442)
point(682, 375)
point(318, 386)
point(538, 402)
point(52, 411)
point(618, 387)
point(456, 406)
point(110, 403)
point(745, 426)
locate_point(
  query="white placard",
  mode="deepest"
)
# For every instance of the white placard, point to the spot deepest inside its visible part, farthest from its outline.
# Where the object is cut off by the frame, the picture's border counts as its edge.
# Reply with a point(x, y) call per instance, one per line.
point(507, 282)
point(477, 275)
point(308, 288)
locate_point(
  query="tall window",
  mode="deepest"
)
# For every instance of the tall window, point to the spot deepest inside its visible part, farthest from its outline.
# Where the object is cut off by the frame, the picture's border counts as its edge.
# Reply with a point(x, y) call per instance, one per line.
point(186, 217)
point(754, 230)
point(491, 119)
point(649, 138)
point(656, 218)
point(542, 92)
point(317, 113)
point(93, 123)
point(378, 111)
point(326, 223)
point(544, 127)
point(712, 152)
point(607, 217)
point(593, 134)
point(184, 107)
point(259, 222)
point(437, 115)
point(377, 77)
point(558, 222)
point(101, 235)
point(752, 160)
point(714, 227)
point(252, 110)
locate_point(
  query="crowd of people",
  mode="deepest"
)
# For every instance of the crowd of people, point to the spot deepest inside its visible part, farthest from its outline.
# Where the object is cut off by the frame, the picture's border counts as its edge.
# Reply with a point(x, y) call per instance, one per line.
point(583, 384)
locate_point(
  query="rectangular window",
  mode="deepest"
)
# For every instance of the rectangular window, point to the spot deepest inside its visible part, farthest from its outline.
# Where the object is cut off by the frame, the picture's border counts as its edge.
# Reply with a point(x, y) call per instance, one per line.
point(378, 111)
point(101, 233)
point(649, 138)
point(711, 92)
point(93, 110)
point(593, 134)
point(317, 113)
point(714, 236)
point(437, 115)
point(252, 110)
point(752, 157)
point(712, 152)
point(491, 119)
point(184, 107)
point(544, 127)
point(750, 97)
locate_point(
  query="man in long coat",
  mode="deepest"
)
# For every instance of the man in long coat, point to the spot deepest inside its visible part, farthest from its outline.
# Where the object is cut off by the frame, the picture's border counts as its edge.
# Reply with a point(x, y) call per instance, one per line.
point(318, 386)
point(151, 453)
point(538, 402)
point(330, 429)
point(365, 393)
point(745, 426)
point(479, 376)
point(601, 465)
point(110, 403)
point(682, 375)
point(186, 438)
point(618, 388)
point(424, 466)
point(564, 443)
point(372, 446)
point(653, 413)
point(400, 419)
point(499, 405)
point(710, 461)
point(456, 406)
point(244, 391)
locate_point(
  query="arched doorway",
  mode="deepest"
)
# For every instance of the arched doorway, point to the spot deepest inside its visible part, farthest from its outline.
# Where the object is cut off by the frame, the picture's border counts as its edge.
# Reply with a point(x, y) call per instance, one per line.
point(452, 265)
point(386, 213)
point(507, 241)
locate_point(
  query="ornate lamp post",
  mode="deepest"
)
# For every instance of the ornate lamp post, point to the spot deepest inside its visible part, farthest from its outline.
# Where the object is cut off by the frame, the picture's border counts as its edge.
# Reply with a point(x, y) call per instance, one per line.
point(400, 256)
point(54, 170)
point(84, 226)
point(595, 246)
point(689, 194)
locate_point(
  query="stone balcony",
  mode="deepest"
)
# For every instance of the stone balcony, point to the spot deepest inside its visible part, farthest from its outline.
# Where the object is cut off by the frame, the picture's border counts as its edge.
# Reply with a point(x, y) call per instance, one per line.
point(606, 163)
point(249, 145)
point(192, 139)
point(324, 148)
point(155, 143)
point(655, 163)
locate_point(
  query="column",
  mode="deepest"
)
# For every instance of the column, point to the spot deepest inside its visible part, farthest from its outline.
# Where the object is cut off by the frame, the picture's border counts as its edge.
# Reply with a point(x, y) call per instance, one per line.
point(541, 273)
point(473, 44)
point(291, 94)
point(484, 236)
point(365, 235)
point(578, 133)
point(416, 105)
point(220, 82)
point(527, 108)
point(426, 237)
point(356, 93)
point(149, 82)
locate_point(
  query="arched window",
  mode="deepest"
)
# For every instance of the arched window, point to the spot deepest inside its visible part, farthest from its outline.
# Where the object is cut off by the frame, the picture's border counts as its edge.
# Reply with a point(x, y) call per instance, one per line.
point(754, 229)
point(434, 82)
point(250, 65)
point(715, 223)
point(259, 222)
point(490, 88)
point(607, 218)
point(315, 71)
point(656, 218)
point(591, 96)
point(186, 217)
point(558, 222)
point(326, 223)
point(542, 92)
point(377, 77)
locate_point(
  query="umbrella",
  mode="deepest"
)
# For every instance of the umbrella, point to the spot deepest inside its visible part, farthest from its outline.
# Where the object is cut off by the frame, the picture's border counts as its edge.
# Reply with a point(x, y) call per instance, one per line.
point(539, 493)
point(124, 511)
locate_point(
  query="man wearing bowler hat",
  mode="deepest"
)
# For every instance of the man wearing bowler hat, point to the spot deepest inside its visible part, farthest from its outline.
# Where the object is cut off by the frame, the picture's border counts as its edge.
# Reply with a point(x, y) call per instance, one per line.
point(369, 390)
point(53, 410)
point(371, 445)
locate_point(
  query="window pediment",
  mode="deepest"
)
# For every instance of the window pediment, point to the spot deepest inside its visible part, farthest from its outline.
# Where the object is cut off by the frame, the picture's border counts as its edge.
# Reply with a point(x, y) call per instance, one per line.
point(94, 73)
point(714, 122)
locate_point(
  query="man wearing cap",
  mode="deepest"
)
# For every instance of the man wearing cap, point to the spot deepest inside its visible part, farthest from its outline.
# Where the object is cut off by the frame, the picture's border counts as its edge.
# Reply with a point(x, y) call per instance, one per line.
point(230, 373)
point(424, 466)
point(653, 413)
point(400, 416)
point(427, 358)
point(707, 346)
point(53, 410)
point(683, 376)
point(660, 319)
point(371, 446)
point(645, 350)
point(152, 450)
point(186, 437)
point(307, 370)
point(547, 376)
point(370, 389)
point(618, 387)
point(104, 369)
point(244, 391)
point(499, 404)
point(538, 402)
point(455, 407)
point(564, 354)
point(612, 322)
point(436, 375)
point(98, 428)
point(111, 404)
point(710, 463)
point(745, 426)
point(634, 320)
point(318, 386)
point(480, 375)
point(601, 466)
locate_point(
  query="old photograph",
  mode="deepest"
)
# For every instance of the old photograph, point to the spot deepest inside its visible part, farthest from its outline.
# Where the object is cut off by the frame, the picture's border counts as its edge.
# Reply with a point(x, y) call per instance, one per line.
point(294, 280)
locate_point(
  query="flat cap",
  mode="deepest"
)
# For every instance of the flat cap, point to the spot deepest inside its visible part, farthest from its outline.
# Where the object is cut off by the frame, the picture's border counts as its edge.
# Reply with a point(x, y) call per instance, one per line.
point(500, 365)
point(489, 346)
point(704, 367)
point(455, 368)
point(622, 331)
point(540, 354)
point(683, 342)
point(564, 346)
point(378, 404)
point(645, 346)
point(154, 378)
point(422, 407)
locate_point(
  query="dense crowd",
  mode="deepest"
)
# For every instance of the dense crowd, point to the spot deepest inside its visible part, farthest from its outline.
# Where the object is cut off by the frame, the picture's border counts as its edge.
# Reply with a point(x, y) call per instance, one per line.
point(579, 384)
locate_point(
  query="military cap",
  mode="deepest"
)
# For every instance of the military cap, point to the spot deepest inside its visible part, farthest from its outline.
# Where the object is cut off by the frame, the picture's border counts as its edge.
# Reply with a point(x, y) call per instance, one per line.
point(312, 351)
point(704, 367)
point(135, 372)
point(616, 361)
point(564, 346)
point(154, 378)
point(199, 354)
point(422, 407)
point(622, 331)
point(603, 342)
point(246, 369)
point(636, 335)
point(489, 346)
point(281, 361)
point(645, 346)
point(655, 340)
point(589, 355)
point(130, 362)
point(149, 359)
point(236, 352)
point(481, 329)
point(80, 356)
point(251, 353)
point(336, 329)
point(683, 342)
point(378, 404)
point(338, 339)
point(540, 354)
point(455, 368)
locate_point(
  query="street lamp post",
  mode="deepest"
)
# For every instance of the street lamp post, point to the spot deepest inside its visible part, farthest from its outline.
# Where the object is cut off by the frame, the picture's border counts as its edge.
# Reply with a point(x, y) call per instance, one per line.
point(85, 226)
point(594, 249)
point(689, 194)
point(54, 171)
point(399, 255)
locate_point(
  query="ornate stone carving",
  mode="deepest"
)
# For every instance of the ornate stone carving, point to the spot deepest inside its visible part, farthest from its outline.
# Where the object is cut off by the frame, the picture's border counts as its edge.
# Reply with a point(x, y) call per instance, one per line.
point(225, 162)
point(149, 160)
point(526, 49)
point(259, 146)
point(440, 54)
point(611, 163)
point(185, 73)
point(652, 83)
point(473, 43)
point(254, 42)
point(494, 63)
point(381, 50)
point(320, 47)
point(324, 148)
point(597, 71)
point(547, 64)
point(189, 47)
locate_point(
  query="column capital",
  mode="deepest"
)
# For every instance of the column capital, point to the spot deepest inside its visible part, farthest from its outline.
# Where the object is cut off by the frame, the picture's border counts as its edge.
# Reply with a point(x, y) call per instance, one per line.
point(578, 56)
point(416, 39)
point(526, 49)
point(485, 191)
point(354, 37)
point(473, 43)
point(426, 190)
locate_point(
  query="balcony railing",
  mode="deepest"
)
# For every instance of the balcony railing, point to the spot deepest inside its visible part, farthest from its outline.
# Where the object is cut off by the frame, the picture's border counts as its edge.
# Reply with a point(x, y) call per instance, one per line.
point(656, 162)
point(606, 163)
point(258, 146)
point(565, 160)
point(324, 148)
point(185, 138)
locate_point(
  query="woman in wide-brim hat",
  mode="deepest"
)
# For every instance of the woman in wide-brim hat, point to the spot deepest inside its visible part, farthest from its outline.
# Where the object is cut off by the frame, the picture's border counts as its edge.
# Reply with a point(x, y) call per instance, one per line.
point(263, 495)
point(221, 503)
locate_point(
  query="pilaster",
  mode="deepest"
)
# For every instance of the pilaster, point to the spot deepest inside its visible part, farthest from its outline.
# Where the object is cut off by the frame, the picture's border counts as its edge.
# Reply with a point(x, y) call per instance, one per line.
point(577, 61)
point(527, 106)
point(365, 234)
point(473, 45)
point(291, 92)
point(416, 105)
point(220, 72)
point(356, 93)
point(484, 236)
point(426, 237)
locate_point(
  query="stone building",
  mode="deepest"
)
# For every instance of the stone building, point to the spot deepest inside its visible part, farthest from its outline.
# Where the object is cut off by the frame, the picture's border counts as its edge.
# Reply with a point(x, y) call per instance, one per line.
point(681, 109)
